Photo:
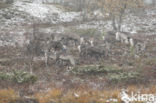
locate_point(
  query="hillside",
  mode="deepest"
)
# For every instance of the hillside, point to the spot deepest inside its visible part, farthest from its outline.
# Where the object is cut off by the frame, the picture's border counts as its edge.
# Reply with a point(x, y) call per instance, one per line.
point(53, 52)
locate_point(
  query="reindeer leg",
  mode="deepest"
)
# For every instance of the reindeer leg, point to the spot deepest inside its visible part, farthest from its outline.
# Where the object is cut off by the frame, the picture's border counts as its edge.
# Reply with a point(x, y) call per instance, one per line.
point(30, 64)
point(46, 59)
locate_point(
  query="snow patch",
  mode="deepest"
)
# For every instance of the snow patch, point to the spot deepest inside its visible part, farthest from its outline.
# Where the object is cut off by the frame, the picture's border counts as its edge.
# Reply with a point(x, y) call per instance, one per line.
point(68, 16)
point(46, 12)
point(36, 9)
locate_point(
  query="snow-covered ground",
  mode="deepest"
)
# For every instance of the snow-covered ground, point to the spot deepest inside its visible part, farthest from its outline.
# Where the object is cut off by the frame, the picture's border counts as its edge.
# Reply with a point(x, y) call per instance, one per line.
point(33, 9)
point(26, 13)
point(146, 23)
point(41, 11)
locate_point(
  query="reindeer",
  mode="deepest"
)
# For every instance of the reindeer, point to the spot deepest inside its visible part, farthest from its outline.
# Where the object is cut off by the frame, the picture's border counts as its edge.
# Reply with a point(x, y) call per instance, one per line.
point(95, 52)
point(69, 39)
point(138, 42)
point(65, 60)
point(109, 37)
point(123, 37)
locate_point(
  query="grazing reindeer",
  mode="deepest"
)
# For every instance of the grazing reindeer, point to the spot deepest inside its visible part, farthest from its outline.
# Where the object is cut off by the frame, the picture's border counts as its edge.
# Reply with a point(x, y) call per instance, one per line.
point(96, 52)
point(137, 41)
point(140, 45)
point(69, 39)
point(65, 60)
point(109, 37)
point(54, 48)
point(123, 37)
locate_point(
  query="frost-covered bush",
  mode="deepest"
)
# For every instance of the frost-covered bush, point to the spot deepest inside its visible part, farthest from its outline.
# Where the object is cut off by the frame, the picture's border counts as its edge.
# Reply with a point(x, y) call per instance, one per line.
point(93, 69)
point(90, 32)
point(18, 77)
point(113, 74)
point(23, 77)
point(124, 77)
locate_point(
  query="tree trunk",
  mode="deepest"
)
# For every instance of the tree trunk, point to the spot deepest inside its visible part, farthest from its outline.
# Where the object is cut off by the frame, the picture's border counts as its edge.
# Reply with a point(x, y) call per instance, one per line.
point(120, 17)
point(113, 22)
point(120, 22)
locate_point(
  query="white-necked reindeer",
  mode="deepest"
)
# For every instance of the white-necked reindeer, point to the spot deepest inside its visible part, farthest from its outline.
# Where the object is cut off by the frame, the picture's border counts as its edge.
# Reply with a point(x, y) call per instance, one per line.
point(134, 40)
point(122, 37)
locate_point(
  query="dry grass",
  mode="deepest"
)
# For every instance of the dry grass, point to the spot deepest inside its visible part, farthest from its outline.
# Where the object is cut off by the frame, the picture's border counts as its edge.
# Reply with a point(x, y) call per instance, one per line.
point(81, 95)
point(52, 95)
point(89, 95)
point(77, 96)
point(7, 95)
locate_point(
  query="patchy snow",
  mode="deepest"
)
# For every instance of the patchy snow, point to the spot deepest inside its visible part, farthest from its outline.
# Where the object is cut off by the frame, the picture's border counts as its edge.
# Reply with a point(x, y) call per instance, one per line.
point(42, 11)
point(25, 13)
point(38, 1)
point(69, 16)
point(112, 100)
point(36, 9)
point(146, 23)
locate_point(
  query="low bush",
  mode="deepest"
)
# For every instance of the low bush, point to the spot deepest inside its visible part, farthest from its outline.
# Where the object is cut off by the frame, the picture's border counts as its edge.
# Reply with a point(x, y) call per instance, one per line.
point(112, 73)
point(90, 32)
point(5, 76)
point(18, 77)
point(124, 77)
point(93, 69)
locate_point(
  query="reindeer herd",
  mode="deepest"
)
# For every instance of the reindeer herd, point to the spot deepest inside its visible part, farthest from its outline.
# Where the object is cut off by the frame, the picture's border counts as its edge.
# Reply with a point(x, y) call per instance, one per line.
point(137, 41)
point(67, 49)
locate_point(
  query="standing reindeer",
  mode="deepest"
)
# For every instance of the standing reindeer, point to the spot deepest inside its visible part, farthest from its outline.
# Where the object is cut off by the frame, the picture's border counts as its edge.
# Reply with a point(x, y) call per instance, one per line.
point(138, 41)
point(123, 37)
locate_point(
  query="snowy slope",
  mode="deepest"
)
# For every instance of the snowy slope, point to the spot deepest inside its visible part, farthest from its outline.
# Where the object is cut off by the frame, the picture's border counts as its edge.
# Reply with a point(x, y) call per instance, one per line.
point(36, 9)
point(42, 11)
point(25, 13)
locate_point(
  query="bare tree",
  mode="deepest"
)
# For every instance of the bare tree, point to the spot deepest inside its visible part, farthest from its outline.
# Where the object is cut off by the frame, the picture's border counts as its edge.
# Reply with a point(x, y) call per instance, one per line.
point(33, 47)
point(116, 9)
